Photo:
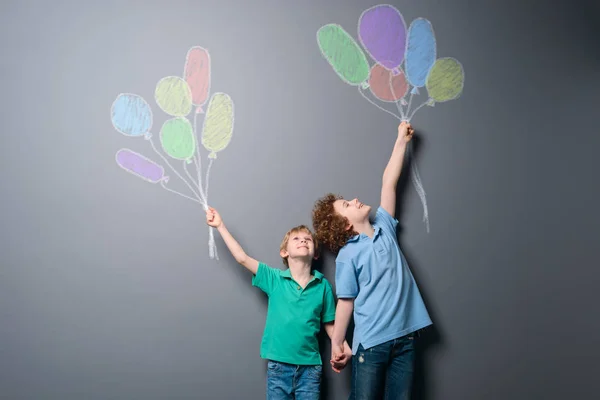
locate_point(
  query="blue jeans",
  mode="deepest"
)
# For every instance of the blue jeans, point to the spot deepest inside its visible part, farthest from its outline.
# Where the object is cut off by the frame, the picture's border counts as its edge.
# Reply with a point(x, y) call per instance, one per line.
point(384, 371)
point(287, 381)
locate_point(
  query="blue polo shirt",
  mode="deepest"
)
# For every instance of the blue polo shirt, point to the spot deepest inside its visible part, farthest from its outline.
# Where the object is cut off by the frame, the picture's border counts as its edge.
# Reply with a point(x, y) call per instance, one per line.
point(374, 272)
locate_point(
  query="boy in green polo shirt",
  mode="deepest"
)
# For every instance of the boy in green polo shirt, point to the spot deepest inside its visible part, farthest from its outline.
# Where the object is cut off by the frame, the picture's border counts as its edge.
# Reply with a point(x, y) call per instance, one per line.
point(299, 301)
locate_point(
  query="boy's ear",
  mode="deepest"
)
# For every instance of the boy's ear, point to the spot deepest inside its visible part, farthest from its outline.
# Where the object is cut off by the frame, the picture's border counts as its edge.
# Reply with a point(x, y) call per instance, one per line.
point(348, 224)
point(283, 253)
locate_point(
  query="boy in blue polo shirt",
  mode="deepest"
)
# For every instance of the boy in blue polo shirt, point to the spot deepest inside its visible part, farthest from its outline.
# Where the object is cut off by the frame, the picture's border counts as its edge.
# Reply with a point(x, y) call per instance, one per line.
point(373, 280)
point(299, 301)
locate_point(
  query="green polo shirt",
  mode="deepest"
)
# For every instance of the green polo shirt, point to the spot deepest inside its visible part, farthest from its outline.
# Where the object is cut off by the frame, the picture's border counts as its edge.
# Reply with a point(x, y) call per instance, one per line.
point(294, 315)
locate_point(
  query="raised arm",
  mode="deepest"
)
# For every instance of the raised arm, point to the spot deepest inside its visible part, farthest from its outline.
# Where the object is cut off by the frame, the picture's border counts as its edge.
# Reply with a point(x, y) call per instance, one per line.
point(214, 219)
point(391, 174)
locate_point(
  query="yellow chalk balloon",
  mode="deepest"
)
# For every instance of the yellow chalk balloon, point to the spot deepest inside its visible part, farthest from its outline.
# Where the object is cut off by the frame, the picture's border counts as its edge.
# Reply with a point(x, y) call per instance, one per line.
point(173, 96)
point(445, 80)
point(218, 124)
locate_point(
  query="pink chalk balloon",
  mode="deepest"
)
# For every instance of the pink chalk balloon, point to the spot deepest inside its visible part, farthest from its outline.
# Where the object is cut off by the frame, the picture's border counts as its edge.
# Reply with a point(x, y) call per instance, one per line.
point(385, 85)
point(197, 75)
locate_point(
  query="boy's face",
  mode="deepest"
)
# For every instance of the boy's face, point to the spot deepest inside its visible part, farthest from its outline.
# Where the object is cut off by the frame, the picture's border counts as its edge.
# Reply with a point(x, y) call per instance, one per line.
point(300, 245)
point(355, 211)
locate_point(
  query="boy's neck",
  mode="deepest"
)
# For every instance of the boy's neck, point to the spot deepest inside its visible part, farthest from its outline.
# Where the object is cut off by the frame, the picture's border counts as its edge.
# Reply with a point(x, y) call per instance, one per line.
point(300, 269)
point(364, 228)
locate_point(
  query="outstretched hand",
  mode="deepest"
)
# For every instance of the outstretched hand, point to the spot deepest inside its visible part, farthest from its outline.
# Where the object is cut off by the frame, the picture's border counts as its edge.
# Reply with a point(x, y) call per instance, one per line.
point(213, 218)
point(405, 131)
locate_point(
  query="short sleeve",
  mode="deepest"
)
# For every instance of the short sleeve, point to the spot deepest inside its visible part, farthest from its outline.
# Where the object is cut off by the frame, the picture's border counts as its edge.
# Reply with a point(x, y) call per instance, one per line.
point(328, 313)
point(346, 282)
point(386, 221)
point(265, 278)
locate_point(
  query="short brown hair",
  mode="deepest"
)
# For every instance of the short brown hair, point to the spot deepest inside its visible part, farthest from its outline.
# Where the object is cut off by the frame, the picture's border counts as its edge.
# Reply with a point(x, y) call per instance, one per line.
point(330, 226)
point(286, 238)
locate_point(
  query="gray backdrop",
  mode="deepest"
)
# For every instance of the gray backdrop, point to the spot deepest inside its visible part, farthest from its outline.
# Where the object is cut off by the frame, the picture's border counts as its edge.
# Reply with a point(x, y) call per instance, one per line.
point(106, 287)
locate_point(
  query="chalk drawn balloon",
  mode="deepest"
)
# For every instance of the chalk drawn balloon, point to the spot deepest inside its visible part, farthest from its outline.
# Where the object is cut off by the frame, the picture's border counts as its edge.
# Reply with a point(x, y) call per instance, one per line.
point(131, 115)
point(218, 124)
point(445, 80)
point(197, 75)
point(343, 54)
point(173, 96)
point(385, 85)
point(382, 32)
point(140, 166)
point(420, 52)
point(177, 138)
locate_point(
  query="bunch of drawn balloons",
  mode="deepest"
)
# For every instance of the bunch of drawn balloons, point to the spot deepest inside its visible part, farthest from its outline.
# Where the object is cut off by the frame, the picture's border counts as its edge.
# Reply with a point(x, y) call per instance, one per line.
point(405, 60)
point(178, 97)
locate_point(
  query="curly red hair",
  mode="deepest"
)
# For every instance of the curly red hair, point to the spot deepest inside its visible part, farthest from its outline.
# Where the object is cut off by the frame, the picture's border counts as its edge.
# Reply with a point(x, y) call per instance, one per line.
point(331, 228)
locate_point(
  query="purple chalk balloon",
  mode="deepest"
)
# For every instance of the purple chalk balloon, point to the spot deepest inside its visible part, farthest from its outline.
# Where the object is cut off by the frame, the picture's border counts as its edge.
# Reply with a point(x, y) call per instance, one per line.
point(382, 32)
point(140, 166)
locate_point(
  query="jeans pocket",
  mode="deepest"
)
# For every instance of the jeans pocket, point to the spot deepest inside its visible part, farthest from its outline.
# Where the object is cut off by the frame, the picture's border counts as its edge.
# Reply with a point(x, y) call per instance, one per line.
point(315, 371)
point(273, 367)
point(408, 343)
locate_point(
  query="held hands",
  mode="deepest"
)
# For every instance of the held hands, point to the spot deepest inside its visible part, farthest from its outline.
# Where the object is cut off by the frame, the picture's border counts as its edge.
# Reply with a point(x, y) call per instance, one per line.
point(405, 131)
point(340, 355)
point(213, 218)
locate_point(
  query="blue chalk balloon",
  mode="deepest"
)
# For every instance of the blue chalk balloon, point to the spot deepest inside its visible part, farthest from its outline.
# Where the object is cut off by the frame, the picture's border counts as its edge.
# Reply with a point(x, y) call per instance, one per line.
point(131, 115)
point(421, 52)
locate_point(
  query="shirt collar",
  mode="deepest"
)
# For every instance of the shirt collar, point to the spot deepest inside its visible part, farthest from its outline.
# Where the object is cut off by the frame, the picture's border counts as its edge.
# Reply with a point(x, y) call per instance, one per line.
point(287, 274)
point(362, 236)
